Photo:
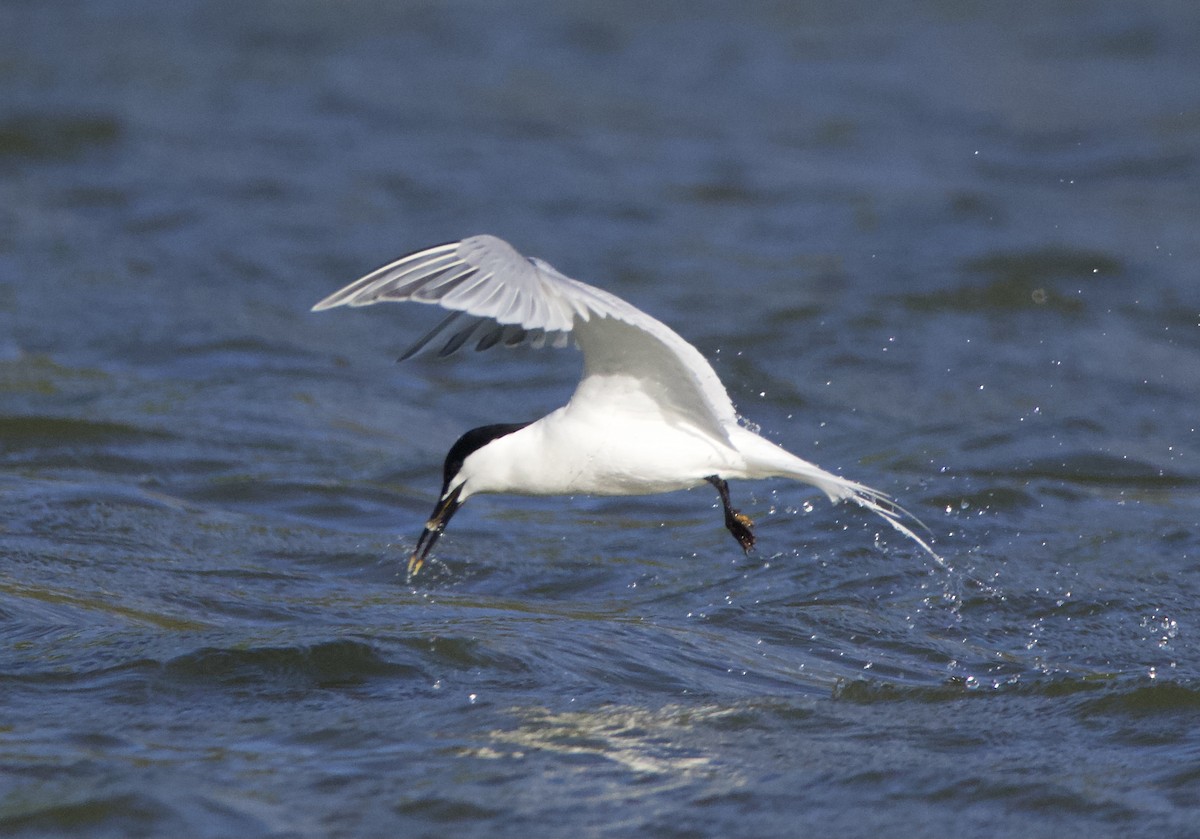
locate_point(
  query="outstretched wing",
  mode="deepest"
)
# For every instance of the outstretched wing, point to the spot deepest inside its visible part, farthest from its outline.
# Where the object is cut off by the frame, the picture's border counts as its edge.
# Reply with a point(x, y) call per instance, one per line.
point(510, 299)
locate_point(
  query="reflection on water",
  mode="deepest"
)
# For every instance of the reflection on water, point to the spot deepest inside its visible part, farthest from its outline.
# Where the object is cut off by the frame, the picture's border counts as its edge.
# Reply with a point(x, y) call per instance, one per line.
point(639, 740)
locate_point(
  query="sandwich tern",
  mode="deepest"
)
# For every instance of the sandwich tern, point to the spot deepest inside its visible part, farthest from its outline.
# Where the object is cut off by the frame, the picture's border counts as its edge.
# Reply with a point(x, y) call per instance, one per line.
point(649, 414)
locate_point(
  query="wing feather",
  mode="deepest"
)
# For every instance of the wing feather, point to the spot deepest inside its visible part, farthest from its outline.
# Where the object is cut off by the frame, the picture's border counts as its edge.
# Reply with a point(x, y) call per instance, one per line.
point(462, 337)
point(463, 296)
point(529, 301)
point(429, 336)
point(490, 338)
point(449, 280)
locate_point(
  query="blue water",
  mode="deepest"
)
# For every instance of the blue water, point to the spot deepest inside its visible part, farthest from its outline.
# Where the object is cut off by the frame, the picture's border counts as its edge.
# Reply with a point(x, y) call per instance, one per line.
point(948, 250)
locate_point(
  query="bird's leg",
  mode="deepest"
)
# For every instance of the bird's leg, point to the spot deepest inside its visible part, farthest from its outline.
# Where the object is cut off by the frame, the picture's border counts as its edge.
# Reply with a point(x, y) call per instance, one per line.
point(739, 524)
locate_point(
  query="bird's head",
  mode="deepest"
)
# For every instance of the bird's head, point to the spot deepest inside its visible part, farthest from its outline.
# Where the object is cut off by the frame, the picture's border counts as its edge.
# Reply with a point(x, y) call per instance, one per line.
point(452, 497)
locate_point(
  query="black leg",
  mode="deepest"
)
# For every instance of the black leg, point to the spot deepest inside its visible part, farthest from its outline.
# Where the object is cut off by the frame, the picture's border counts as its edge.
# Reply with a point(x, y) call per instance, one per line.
point(738, 524)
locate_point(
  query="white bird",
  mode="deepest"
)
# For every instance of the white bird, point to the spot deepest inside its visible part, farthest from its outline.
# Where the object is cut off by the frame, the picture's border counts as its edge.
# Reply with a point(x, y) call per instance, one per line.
point(649, 414)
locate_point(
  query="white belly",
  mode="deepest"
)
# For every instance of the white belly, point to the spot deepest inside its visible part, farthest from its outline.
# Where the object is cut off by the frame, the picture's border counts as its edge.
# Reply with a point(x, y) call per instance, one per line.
point(594, 454)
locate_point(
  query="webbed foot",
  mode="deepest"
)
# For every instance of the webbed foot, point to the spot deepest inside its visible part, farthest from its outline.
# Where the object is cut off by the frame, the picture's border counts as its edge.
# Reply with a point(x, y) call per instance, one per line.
point(739, 524)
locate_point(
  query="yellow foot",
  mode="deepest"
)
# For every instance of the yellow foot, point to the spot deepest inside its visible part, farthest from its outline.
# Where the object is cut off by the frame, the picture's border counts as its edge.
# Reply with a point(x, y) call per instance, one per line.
point(739, 525)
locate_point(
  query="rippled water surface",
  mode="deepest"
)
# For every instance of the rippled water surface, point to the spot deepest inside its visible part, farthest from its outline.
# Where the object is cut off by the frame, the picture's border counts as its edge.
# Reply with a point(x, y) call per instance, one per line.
point(950, 252)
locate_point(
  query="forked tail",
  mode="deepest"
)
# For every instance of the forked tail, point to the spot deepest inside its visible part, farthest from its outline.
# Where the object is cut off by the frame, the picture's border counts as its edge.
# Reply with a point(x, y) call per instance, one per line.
point(786, 464)
point(884, 506)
